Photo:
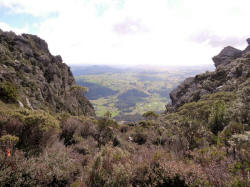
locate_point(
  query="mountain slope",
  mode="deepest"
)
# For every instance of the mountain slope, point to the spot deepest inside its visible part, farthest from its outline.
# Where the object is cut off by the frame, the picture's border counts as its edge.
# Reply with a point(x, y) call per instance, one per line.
point(41, 80)
point(231, 75)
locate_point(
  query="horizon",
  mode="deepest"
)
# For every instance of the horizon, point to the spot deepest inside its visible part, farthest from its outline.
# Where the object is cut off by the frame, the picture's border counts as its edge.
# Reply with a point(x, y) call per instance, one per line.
point(131, 33)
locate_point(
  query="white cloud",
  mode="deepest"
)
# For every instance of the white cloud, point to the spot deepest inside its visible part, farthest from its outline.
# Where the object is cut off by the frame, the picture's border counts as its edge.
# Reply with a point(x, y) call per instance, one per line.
point(85, 31)
point(7, 27)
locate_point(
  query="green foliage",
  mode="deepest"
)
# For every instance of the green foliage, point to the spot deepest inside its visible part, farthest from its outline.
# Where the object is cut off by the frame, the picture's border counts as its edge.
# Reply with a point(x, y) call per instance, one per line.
point(78, 90)
point(111, 167)
point(140, 136)
point(35, 129)
point(9, 139)
point(150, 115)
point(8, 92)
point(217, 120)
point(126, 93)
point(108, 115)
point(54, 167)
point(106, 128)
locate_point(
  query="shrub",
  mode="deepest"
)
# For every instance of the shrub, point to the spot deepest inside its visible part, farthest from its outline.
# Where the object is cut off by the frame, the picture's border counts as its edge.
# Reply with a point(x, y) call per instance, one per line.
point(156, 168)
point(105, 133)
point(35, 129)
point(40, 129)
point(55, 167)
point(150, 115)
point(140, 136)
point(7, 144)
point(8, 92)
point(217, 119)
point(111, 167)
point(69, 127)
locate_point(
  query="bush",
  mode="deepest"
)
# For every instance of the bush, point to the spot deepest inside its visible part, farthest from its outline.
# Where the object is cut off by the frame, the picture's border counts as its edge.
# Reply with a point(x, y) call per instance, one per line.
point(105, 133)
point(55, 167)
point(150, 115)
point(35, 129)
point(111, 167)
point(140, 136)
point(156, 168)
point(8, 92)
point(217, 119)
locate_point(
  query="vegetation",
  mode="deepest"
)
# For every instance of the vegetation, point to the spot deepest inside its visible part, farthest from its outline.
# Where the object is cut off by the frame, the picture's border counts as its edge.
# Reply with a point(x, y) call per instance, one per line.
point(202, 142)
point(8, 92)
point(129, 93)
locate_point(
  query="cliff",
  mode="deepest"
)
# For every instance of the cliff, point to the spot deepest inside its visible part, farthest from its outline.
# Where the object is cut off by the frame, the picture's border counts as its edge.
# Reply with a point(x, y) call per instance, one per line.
point(231, 75)
point(41, 80)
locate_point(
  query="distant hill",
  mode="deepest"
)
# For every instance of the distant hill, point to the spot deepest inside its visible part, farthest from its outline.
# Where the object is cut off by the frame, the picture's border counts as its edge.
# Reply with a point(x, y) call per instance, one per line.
point(95, 69)
point(128, 92)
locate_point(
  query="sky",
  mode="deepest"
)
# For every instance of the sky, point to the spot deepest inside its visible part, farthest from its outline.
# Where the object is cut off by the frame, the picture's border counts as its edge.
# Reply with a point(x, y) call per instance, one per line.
point(131, 32)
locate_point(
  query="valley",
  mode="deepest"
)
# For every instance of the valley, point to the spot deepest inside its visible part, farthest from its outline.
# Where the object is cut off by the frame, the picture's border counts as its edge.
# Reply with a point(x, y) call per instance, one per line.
point(129, 92)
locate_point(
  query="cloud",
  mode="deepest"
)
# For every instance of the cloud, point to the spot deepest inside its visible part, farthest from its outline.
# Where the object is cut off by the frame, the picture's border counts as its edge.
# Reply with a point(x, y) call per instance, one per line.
point(166, 32)
point(218, 41)
point(6, 27)
point(129, 26)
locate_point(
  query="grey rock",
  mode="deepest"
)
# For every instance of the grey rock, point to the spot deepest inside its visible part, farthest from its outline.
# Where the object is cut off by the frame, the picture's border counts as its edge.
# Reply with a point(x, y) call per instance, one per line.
point(248, 41)
point(28, 103)
point(232, 70)
point(43, 80)
point(226, 56)
point(20, 104)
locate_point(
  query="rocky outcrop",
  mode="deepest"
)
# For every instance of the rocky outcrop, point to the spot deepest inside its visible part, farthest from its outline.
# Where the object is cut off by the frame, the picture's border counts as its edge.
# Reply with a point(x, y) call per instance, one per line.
point(226, 56)
point(232, 71)
point(41, 78)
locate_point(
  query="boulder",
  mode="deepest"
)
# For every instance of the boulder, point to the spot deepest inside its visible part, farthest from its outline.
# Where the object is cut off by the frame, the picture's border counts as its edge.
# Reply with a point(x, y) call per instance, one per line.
point(226, 56)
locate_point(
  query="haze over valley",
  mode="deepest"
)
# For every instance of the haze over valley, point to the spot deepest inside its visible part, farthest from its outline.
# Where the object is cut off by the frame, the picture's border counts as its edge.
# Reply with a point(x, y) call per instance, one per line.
point(129, 92)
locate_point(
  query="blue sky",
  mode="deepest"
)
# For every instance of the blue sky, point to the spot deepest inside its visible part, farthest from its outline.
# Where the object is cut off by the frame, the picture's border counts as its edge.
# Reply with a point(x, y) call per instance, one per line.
point(131, 32)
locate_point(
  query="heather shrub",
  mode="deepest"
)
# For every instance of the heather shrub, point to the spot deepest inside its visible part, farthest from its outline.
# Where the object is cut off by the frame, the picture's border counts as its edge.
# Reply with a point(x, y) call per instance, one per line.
point(105, 132)
point(35, 129)
point(150, 115)
point(111, 167)
point(195, 133)
point(86, 146)
point(139, 136)
point(69, 128)
point(56, 166)
point(216, 164)
point(40, 129)
point(217, 120)
point(228, 131)
point(74, 130)
point(156, 168)
point(159, 136)
point(8, 92)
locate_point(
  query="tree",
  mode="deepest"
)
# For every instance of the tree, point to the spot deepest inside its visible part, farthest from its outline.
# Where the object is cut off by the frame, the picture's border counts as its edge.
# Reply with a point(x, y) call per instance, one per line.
point(78, 91)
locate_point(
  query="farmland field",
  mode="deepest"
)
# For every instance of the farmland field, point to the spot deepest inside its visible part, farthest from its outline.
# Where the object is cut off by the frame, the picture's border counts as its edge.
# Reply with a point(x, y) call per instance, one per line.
point(128, 93)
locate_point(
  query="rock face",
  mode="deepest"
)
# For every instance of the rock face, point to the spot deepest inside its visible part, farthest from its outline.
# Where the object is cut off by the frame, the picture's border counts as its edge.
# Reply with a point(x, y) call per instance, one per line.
point(226, 56)
point(40, 78)
point(232, 72)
